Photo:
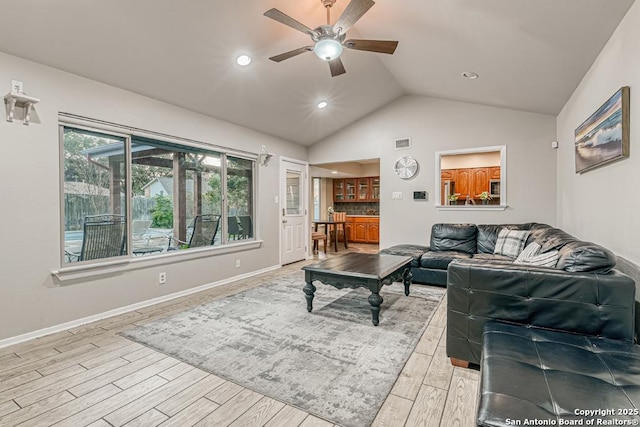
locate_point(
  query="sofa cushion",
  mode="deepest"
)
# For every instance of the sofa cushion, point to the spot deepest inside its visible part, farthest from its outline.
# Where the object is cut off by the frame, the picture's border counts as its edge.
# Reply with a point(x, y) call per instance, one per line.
point(414, 251)
point(531, 256)
point(441, 259)
point(493, 257)
point(553, 238)
point(511, 242)
point(531, 373)
point(454, 237)
point(488, 235)
point(585, 256)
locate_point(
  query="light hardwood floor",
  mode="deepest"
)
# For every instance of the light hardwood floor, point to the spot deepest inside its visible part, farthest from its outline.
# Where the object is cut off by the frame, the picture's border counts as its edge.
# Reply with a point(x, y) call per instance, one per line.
point(91, 376)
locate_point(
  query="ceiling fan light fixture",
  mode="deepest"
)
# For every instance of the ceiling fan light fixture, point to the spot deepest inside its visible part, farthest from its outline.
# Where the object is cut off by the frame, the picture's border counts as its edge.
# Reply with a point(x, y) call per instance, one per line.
point(328, 49)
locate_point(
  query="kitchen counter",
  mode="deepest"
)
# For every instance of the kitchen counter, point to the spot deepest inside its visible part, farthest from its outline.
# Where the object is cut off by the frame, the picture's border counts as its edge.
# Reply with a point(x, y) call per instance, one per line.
point(363, 216)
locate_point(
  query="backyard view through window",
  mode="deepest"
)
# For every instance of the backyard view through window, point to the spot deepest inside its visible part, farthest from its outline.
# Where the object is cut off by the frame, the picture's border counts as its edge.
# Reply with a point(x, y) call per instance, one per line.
point(176, 199)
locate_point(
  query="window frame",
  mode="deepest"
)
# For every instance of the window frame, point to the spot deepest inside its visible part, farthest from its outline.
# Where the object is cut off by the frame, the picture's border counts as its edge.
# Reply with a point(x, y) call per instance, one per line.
point(66, 121)
point(503, 178)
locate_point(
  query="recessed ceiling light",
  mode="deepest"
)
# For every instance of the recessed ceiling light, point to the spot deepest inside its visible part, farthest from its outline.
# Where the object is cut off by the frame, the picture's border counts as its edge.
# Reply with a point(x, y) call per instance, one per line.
point(334, 172)
point(243, 60)
point(322, 104)
point(470, 75)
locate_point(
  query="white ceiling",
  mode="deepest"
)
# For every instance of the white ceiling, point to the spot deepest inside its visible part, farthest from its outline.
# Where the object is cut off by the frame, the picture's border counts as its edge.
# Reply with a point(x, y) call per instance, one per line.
point(530, 54)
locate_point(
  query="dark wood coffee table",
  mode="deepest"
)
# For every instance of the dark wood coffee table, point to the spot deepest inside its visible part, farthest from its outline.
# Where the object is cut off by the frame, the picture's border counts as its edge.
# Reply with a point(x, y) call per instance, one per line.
point(355, 270)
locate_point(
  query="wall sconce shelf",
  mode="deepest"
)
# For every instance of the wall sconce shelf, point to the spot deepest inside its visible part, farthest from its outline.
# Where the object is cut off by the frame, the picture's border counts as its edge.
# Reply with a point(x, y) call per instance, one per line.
point(13, 100)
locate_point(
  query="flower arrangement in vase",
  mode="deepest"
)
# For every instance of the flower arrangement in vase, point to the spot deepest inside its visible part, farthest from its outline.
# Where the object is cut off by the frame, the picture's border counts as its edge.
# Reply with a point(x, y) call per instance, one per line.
point(330, 212)
point(453, 199)
point(485, 197)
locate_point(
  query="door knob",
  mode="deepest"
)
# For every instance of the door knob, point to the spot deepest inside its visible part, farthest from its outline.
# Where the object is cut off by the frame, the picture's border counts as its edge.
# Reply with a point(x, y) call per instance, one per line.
point(284, 221)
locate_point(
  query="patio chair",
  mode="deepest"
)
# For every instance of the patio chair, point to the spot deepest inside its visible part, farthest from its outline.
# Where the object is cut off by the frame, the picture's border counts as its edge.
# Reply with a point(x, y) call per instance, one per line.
point(139, 232)
point(204, 230)
point(246, 226)
point(104, 236)
point(233, 227)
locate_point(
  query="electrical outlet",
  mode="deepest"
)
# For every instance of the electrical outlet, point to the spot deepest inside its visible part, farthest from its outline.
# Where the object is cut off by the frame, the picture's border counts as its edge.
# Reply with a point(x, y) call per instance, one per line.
point(162, 278)
point(237, 263)
point(396, 195)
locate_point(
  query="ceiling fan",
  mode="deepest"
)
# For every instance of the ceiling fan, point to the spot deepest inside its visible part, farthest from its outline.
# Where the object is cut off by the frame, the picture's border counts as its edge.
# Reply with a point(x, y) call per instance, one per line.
point(329, 40)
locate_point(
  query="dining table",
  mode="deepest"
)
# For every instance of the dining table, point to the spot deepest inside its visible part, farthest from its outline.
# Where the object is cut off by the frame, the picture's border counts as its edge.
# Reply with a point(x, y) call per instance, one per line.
point(328, 226)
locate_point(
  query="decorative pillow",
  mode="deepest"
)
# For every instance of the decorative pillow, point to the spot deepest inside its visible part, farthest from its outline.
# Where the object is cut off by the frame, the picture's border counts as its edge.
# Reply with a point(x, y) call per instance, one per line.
point(530, 251)
point(511, 242)
point(546, 259)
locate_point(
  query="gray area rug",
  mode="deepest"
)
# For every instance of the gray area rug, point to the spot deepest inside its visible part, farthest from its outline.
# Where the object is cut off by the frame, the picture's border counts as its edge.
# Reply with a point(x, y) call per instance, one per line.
point(332, 362)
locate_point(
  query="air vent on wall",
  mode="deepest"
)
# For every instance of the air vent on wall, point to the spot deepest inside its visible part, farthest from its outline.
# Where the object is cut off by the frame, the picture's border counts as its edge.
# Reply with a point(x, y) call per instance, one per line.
point(403, 143)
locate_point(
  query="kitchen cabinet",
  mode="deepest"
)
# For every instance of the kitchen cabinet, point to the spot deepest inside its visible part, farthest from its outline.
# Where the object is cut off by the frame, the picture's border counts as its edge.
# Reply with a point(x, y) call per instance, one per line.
point(375, 188)
point(363, 229)
point(373, 232)
point(338, 190)
point(494, 172)
point(469, 181)
point(463, 182)
point(366, 189)
point(350, 190)
point(479, 181)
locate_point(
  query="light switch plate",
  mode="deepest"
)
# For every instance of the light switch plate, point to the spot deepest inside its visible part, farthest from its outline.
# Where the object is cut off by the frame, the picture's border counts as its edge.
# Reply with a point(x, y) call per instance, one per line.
point(396, 195)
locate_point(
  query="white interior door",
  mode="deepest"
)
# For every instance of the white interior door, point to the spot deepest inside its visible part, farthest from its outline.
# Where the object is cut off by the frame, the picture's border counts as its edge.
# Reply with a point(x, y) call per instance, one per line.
point(293, 211)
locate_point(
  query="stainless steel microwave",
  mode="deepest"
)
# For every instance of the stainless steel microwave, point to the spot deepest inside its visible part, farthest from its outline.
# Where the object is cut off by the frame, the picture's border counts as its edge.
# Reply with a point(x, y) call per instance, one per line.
point(494, 187)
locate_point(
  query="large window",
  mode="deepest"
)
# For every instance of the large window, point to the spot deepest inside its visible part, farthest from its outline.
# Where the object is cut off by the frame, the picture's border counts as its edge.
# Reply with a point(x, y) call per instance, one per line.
point(127, 195)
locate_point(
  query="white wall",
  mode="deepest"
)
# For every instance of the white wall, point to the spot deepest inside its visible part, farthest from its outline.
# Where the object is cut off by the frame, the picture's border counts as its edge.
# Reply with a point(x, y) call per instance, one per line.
point(475, 160)
point(30, 299)
point(436, 125)
point(602, 205)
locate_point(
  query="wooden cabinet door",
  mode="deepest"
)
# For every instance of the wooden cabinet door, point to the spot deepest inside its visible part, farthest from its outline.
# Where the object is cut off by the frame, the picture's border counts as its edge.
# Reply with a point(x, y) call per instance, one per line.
point(363, 190)
point(349, 229)
point(463, 183)
point(350, 190)
point(360, 232)
point(373, 232)
point(338, 190)
point(449, 174)
point(479, 180)
point(494, 172)
point(375, 188)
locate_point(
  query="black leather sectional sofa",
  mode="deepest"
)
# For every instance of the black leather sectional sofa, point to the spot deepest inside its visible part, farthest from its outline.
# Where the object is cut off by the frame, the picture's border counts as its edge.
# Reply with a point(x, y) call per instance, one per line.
point(451, 242)
point(550, 340)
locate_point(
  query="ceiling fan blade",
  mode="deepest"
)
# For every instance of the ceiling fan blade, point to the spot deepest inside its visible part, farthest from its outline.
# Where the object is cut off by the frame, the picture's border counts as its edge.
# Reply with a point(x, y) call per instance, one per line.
point(291, 54)
point(336, 67)
point(379, 46)
point(285, 19)
point(351, 14)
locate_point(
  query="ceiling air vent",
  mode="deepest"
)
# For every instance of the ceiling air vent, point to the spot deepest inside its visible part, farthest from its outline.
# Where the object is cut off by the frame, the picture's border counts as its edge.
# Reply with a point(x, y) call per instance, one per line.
point(403, 143)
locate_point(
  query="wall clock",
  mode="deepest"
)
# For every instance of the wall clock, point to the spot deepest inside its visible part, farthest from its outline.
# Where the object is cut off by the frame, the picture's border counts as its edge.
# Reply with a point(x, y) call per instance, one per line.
point(406, 167)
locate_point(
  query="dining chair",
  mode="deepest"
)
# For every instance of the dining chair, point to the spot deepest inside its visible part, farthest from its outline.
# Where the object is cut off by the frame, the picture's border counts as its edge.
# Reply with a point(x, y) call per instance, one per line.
point(339, 228)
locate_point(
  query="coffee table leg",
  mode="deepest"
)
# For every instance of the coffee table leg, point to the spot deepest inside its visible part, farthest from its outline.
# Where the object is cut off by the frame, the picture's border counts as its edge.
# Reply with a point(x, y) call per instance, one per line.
point(309, 289)
point(375, 300)
point(406, 277)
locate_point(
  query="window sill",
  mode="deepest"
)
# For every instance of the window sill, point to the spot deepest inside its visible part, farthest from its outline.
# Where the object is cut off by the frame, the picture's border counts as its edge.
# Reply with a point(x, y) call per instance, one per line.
point(69, 274)
point(472, 208)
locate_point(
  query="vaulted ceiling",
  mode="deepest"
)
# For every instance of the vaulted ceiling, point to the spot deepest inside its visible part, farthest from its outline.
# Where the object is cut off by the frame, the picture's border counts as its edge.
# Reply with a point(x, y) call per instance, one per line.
point(530, 54)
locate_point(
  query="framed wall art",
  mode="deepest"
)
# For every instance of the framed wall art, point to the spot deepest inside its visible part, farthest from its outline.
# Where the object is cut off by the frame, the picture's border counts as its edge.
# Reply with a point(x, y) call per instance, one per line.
point(604, 137)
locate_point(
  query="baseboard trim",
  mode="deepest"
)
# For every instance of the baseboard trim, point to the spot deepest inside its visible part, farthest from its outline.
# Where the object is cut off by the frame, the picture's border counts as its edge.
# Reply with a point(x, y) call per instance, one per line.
point(117, 311)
